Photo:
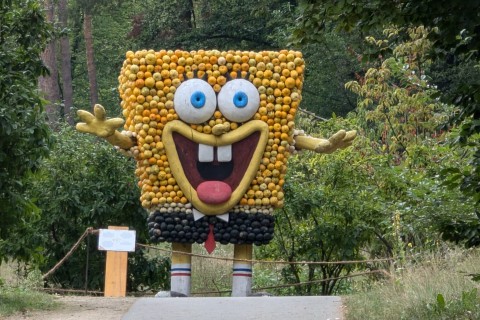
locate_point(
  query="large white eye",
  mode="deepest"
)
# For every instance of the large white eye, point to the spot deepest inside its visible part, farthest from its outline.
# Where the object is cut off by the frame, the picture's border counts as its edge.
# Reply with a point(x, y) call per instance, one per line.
point(195, 101)
point(238, 100)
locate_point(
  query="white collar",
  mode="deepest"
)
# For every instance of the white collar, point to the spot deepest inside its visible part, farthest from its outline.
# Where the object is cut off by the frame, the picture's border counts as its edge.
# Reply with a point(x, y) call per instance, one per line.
point(197, 215)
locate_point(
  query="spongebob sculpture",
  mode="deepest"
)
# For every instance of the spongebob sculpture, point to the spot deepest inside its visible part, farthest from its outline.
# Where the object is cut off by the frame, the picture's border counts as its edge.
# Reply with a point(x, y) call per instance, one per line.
point(211, 132)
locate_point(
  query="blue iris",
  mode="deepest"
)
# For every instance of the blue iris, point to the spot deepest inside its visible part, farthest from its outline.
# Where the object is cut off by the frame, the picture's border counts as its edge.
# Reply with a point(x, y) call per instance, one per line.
point(240, 99)
point(198, 99)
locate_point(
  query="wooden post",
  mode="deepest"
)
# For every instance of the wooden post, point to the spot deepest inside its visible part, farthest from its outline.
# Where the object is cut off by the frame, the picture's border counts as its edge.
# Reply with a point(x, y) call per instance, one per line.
point(116, 271)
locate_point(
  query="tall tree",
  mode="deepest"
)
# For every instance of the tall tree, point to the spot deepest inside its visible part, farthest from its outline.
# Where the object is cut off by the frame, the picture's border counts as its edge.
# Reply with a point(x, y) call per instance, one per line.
point(66, 56)
point(92, 71)
point(24, 133)
point(87, 9)
point(49, 83)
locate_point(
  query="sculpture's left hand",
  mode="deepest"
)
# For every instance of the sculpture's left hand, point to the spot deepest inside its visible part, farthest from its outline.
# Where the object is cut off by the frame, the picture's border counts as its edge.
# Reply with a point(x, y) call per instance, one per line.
point(339, 140)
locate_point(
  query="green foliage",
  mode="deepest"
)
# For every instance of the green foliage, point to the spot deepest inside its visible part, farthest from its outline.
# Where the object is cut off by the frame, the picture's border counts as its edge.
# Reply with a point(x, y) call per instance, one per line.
point(191, 25)
point(456, 36)
point(24, 296)
point(465, 307)
point(84, 183)
point(24, 134)
point(359, 203)
point(399, 106)
point(324, 219)
point(450, 17)
point(13, 300)
point(395, 98)
point(384, 197)
point(329, 64)
point(462, 230)
point(433, 288)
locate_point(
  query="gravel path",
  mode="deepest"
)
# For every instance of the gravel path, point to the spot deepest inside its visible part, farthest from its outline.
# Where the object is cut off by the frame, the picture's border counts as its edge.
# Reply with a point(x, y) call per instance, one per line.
point(81, 308)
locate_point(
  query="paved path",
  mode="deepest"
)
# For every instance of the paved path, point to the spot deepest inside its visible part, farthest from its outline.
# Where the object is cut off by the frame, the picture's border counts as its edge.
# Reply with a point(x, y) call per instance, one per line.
point(249, 308)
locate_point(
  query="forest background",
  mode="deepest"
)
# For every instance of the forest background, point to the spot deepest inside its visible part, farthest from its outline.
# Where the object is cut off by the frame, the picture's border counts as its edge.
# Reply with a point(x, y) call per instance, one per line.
point(403, 74)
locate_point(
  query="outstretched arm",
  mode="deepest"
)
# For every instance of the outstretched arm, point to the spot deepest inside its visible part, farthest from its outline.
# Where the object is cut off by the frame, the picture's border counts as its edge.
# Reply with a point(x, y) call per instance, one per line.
point(339, 140)
point(98, 124)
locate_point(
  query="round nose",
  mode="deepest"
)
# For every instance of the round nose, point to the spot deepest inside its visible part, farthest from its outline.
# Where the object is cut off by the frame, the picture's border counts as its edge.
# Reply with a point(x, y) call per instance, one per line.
point(220, 129)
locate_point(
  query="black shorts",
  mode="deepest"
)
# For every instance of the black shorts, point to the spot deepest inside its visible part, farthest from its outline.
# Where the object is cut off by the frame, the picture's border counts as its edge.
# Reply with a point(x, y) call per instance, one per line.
point(241, 228)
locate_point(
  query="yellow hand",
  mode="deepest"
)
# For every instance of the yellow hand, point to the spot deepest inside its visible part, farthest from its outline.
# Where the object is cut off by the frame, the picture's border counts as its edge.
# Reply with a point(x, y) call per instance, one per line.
point(339, 140)
point(98, 124)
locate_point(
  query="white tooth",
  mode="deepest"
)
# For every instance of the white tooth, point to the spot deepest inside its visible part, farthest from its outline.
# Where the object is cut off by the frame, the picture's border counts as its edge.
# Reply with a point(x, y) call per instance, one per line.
point(205, 153)
point(224, 153)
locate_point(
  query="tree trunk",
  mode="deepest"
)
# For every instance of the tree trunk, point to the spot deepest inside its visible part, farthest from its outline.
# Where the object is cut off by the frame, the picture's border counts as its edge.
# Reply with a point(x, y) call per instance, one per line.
point(187, 15)
point(49, 84)
point(92, 76)
point(66, 63)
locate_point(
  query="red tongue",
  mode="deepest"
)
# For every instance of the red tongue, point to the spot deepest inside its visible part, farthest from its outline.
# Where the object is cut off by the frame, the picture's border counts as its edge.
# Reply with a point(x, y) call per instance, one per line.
point(214, 192)
point(210, 242)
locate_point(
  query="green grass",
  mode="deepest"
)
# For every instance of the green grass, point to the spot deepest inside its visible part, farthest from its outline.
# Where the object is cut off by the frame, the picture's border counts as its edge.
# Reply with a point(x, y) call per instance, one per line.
point(18, 290)
point(15, 300)
point(440, 287)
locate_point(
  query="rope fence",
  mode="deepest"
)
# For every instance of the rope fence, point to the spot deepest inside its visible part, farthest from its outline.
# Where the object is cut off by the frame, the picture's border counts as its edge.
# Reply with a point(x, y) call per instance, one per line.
point(69, 253)
point(99, 293)
point(77, 291)
point(266, 261)
point(90, 230)
point(352, 275)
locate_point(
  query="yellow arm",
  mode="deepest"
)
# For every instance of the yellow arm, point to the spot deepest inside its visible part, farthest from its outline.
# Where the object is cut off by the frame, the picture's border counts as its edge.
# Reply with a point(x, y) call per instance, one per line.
point(98, 124)
point(339, 140)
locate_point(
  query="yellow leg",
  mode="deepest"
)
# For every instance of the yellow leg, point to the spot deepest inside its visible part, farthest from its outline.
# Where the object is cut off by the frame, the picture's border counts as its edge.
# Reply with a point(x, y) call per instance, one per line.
point(181, 268)
point(242, 271)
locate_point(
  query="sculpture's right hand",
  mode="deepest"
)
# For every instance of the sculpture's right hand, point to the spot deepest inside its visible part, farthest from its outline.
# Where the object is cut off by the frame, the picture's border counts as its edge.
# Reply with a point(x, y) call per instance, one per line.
point(97, 123)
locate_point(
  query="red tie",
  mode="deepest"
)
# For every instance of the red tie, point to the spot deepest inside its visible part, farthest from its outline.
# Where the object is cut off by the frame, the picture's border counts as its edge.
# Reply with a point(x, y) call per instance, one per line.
point(210, 242)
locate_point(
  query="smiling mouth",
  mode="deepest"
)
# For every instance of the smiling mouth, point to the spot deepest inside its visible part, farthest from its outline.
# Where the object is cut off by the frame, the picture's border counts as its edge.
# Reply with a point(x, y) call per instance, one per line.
point(202, 163)
point(214, 172)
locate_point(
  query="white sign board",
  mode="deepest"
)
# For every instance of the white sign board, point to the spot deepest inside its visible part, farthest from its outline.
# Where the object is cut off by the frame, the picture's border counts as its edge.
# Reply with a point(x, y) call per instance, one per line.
point(116, 240)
